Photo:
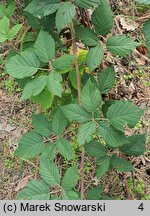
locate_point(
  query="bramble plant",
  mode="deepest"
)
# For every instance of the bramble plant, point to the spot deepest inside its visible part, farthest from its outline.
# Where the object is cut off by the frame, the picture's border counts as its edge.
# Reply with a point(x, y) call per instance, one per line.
point(57, 72)
point(7, 33)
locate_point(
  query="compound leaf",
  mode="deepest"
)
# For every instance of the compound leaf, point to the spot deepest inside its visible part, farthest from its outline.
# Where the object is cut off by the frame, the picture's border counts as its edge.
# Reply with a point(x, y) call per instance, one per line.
point(63, 63)
point(35, 190)
point(65, 148)
point(95, 149)
point(30, 145)
point(59, 122)
point(103, 166)
point(111, 136)
point(120, 164)
point(106, 80)
point(76, 113)
point(44, 47)
point(45, 99)
point(34, 87)
point(49, 172)
point(65, 14)
point(23, 65)
point(70, 178)
point(42, 8)
point(49, 152)
point(41, 124)
point(121, 45)
point(123, 113)
point(102, 18)
point(54, 83)
point(86, 132)
point(13, 32)
point(135, 145)
point(87, 36)
point(90, 97)
point(94, 57)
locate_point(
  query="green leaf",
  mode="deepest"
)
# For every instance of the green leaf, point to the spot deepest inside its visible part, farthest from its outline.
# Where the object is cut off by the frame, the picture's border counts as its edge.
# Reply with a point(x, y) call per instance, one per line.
point(111, 136)
point(63, 63)
point(86, 4)
point(70, 178)
point(2, 10)
point(95, 57)
point(35, 190)
point(54, 83)
point(124, 113)
point(95, 149)
point(3, 37)
point(121, 45)
point(34, 87)
point(10, 9)
point(103, 166)
point(65, 148)
point(59, 122)
point(146, 29)
point(76, 113)
point(87, 36)
point(41, 8)
point(70, 195)
point(95, 193)
point(65, 14)
point(39, 23)
point(4, 29)
point(90, 97)
point(14, 31)
point(106, 106)
point(45, 47)
point(73, 78)
point(4, 25)
point(106, 80)
point(45, 98)
point(30, 145)
point(49, 152)
point(120, 164)
point(49, 172)
point(23, 65)
point(143, 1)
point(41, 124)
point(135, 146)
point(102, 18)
point(86, 132)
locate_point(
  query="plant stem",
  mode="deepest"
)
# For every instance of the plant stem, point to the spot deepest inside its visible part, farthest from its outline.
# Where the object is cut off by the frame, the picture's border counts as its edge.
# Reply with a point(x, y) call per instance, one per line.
point(74, 49)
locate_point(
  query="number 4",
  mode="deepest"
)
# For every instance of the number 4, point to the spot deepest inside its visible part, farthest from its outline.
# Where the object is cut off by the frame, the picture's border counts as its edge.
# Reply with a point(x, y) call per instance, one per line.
point(141, 207)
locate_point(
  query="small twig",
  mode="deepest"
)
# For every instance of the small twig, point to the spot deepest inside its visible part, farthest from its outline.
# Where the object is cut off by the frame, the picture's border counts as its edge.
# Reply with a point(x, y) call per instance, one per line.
point(143, 18)
point(118, 27)
point(5, 53)
point(126, 187)
point(74, 49)
point(29, 162)
point(133, 182)
point(136, 52)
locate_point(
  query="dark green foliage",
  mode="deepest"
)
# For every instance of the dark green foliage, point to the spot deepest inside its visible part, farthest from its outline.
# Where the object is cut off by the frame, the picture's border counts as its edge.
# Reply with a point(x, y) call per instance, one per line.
point(47, 72)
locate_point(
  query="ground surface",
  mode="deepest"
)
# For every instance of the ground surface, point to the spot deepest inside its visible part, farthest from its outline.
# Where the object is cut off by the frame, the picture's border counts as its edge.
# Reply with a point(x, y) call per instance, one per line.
point(133, 84)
